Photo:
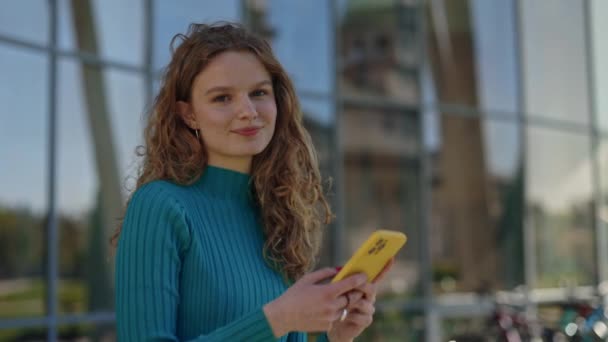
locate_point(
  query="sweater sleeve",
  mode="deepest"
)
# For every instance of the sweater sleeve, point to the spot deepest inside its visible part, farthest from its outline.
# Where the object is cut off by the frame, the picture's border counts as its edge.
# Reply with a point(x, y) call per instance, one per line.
point(154, 238)
point(322, 338)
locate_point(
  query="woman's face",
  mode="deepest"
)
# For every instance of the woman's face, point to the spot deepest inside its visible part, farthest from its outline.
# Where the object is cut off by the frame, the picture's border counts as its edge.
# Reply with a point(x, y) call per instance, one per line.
point(233, 106)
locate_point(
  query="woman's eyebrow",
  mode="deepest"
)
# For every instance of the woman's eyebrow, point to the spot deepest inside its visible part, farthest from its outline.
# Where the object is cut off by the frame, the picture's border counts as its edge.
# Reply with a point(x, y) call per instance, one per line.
point(227, 88)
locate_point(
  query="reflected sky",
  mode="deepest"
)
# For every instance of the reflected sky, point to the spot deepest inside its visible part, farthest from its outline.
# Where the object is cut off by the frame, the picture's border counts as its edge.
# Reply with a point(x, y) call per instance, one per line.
point(27, 20)
point(23, 128)
point(304, 48)
point(119, 26)
point(496, 53)
point(170, 19)
point(554, 57)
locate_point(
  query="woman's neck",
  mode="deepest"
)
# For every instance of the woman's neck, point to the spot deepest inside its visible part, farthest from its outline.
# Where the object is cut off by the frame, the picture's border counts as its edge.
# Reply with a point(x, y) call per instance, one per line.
point(242, 165)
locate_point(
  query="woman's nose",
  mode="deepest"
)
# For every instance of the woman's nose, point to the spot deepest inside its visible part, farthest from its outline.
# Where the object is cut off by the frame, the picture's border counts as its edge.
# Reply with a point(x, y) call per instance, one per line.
point(247, 109)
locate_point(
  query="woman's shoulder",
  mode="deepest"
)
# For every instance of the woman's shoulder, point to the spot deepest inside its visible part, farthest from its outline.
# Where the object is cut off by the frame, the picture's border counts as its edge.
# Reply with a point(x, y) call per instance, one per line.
point(160, 193)
point(156, 209)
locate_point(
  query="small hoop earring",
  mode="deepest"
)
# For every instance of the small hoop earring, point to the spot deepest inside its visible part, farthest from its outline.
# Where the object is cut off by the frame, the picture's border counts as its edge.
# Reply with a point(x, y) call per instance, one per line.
point(196, 133)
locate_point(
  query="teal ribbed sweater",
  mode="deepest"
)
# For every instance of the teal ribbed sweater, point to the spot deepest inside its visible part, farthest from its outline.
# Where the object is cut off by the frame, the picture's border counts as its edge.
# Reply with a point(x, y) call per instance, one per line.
point(189, 264)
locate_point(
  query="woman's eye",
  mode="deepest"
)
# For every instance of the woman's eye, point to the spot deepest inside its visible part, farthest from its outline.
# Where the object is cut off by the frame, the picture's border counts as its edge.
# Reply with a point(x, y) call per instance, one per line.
point(259, 92)
point(221, 98)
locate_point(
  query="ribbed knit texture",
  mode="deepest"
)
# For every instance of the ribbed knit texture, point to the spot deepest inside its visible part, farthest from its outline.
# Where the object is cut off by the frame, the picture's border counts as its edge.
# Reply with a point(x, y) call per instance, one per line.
point(189, 265)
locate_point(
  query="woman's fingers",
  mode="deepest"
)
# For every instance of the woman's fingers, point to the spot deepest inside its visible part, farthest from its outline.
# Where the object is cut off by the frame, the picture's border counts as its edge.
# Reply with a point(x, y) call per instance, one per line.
point(364, 306)
point(369, 291)
point(359, 319)
point(345, 285)
point(340, 303)
point(353, 297)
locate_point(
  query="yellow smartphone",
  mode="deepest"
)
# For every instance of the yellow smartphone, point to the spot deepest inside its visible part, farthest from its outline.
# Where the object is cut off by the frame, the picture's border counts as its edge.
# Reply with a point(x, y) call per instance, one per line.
point(373, 254)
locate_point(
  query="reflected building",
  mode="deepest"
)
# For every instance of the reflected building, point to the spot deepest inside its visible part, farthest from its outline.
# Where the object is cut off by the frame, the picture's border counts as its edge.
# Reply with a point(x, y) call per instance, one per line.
point(380, 143)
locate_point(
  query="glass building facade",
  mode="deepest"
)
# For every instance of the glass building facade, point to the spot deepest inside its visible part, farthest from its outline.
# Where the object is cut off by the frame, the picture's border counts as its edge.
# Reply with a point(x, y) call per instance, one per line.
point(477, 127)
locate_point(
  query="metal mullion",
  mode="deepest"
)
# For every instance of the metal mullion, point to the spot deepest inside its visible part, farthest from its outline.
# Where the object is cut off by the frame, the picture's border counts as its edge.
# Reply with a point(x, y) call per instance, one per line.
point(528, 233)
point(599, 225)
point(7, 40)
point(52, 229)
point(94, 60)
point(431, 318)
point(149, 75)
point(85, 57)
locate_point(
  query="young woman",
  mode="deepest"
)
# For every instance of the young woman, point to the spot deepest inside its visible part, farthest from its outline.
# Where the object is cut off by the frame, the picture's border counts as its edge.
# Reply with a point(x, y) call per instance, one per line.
point(225, 222)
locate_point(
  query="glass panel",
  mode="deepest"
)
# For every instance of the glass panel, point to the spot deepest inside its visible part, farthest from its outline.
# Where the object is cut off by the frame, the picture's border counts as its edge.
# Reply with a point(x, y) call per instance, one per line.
point(559, 207)
point(28, 20)
point(378, 56)
point(86, 332)
point(86, 184)
point(554, 60)
point(315, 111)
point(599, 30)
point(126, 94)
point(381, 186)
point(112, 29)
point(24, 334)
point(170, 19)
point(495, 55)
point(468, 329)
point(473, 54)
point(506, 323)
point(23, 194)
point(451, 53)
point(477, 201)
point(602, 158)
point(393, 326)
point(303, 49)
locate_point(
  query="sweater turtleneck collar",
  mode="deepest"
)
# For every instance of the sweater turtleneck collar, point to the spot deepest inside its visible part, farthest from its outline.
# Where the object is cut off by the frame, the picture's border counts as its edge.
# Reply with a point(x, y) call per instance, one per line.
point(225, 183)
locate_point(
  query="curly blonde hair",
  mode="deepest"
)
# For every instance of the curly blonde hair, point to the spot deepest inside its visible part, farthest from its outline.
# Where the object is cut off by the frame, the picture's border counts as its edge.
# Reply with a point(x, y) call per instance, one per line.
point(285, 176)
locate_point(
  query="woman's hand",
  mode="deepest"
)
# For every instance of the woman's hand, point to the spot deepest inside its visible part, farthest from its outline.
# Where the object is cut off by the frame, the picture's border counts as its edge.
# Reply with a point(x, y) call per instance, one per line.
point(310, 306)
point(360, 308)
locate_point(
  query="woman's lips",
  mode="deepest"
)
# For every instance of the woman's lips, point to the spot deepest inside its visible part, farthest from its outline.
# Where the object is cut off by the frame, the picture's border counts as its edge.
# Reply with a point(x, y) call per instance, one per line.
point(247, 131)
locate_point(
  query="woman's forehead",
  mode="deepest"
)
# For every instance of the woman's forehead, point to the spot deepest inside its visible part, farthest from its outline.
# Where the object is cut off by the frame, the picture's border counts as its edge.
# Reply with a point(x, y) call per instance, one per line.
point(232, 69)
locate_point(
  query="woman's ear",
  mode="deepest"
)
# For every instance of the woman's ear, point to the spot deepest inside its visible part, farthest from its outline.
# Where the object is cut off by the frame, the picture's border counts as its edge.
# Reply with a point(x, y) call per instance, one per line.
point(186, 112)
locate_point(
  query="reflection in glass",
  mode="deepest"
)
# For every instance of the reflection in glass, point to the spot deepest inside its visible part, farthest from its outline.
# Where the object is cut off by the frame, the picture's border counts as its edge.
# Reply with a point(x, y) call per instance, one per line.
point(381, 186)
point(28, 20)
point(126, 108)
point(395, 326)
point(476, 224)
point(559, 207)
point(170, 20)
point(473, 54)
point(321, 134)
point(452, 55)
point(317, 114)
point(377, 53)
point(88, 177)
point(495, 54)
point(288, 26)
point(112, 29)
point(23, 197)
point(554, 60)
